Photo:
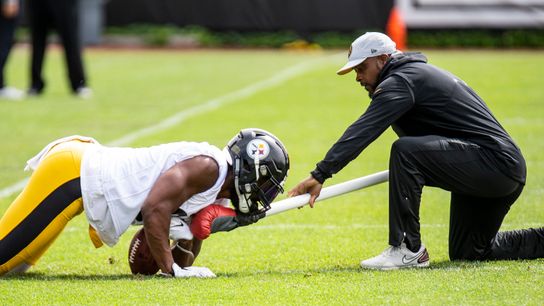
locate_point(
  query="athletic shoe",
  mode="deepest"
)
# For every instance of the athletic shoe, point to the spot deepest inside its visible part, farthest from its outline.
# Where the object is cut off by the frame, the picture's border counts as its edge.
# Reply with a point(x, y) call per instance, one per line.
point(34, 92)
point(398, 257)
point(10, 93)
point(84, 93)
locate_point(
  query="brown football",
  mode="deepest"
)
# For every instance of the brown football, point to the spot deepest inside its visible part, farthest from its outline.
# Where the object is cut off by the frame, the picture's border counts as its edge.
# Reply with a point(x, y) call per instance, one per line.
point(141, 260)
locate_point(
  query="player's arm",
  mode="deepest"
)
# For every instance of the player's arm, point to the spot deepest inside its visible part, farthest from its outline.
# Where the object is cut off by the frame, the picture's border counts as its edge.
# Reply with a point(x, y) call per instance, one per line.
point(172, 188)
point(391, 100)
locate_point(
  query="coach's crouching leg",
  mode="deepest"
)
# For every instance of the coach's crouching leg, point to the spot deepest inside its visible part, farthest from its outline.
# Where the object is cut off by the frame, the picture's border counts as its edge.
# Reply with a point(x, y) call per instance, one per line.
point(508, 245)
point(518, 244)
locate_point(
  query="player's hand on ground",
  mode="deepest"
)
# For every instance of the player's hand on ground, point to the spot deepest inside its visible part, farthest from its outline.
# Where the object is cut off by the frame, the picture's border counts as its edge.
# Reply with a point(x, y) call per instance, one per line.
point(308, 185)
point(192, 271)
point(200, 272)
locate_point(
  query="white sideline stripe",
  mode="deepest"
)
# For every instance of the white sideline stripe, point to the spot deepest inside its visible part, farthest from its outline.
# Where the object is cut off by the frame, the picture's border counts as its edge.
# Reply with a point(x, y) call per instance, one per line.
point(521, 121)
point(209, 105)
point(13, 188)
point(213, 104)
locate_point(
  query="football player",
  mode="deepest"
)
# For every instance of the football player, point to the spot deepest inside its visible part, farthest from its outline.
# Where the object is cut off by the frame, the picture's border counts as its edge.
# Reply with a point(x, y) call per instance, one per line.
point(116, 186)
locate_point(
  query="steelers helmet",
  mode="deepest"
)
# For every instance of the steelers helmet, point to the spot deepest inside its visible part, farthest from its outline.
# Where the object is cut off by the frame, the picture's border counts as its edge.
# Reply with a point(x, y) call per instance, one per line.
point(260, 164)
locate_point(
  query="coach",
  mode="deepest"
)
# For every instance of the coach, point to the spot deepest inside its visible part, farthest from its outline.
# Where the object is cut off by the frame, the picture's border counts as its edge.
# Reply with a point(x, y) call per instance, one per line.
point(448, 139)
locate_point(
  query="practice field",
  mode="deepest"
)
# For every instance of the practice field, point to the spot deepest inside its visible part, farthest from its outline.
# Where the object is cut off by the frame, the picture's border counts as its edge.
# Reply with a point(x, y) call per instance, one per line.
point(307, 256)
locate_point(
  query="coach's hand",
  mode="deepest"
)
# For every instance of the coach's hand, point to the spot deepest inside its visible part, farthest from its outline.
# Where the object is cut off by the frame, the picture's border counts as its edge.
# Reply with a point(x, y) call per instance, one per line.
point(308, 185)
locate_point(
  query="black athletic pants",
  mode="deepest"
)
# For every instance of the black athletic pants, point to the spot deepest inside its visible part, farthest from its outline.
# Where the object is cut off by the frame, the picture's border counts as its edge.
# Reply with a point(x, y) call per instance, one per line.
point(7, 32)
point(481, 196)
point(62, 15)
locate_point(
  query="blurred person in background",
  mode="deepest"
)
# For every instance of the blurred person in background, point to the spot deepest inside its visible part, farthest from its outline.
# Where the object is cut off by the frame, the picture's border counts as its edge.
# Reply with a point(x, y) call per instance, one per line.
point(63, 16)
point(448, 138)
point(8, 23)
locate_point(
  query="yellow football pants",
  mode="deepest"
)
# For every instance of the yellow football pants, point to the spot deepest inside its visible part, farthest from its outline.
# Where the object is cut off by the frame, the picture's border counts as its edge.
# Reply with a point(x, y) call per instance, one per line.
point(38, 215)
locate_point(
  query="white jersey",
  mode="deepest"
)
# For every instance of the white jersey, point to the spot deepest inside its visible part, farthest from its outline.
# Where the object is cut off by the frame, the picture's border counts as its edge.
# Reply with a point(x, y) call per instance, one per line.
point(116, 181)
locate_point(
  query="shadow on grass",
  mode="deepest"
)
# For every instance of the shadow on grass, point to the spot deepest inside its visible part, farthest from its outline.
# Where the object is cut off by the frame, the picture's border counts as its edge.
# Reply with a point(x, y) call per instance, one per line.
point(434, 267)
point(455, 265)
point(301, 272)
point(32, 276)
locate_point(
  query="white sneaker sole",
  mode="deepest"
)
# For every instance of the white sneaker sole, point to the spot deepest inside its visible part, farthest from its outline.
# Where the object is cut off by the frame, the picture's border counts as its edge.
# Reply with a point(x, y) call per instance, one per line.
point(388, 268)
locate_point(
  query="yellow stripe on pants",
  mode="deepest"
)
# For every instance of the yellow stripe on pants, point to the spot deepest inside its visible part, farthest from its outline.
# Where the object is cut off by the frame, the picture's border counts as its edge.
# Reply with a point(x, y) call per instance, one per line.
point(61, 165)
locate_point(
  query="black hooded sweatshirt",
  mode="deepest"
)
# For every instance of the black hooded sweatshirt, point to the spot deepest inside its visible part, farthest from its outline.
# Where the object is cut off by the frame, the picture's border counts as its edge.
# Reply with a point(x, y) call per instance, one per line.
point(419, 99)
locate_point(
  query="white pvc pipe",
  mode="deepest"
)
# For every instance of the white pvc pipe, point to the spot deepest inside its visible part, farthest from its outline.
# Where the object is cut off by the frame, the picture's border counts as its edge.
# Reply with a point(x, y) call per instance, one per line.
point(329, 192)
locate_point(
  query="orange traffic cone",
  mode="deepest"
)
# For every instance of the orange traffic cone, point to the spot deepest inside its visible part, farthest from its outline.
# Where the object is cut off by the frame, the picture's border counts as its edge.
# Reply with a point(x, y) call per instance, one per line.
point(396, 28)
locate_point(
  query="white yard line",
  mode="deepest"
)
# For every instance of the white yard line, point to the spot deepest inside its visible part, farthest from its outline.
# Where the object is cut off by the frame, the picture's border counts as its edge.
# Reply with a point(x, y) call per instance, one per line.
point(204, 107)
point(13, 188)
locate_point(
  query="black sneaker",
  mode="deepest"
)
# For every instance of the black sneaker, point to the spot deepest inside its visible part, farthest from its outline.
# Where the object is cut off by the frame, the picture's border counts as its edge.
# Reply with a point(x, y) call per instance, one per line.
point(33, 92)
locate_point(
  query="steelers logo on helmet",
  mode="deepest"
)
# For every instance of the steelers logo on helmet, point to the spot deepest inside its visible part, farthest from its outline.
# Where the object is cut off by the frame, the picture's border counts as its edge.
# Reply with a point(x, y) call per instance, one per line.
point(258, 148)
point(260, 164)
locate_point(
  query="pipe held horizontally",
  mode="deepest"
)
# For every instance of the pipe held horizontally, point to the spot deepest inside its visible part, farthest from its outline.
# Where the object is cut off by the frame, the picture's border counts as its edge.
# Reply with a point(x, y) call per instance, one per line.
point(329, 192)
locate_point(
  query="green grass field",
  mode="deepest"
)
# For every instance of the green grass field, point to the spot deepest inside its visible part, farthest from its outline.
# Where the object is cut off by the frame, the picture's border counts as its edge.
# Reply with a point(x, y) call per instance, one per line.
point(307, 256)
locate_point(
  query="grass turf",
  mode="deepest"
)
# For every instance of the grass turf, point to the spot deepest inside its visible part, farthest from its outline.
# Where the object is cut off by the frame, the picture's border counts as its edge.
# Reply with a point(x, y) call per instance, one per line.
point(307, 256)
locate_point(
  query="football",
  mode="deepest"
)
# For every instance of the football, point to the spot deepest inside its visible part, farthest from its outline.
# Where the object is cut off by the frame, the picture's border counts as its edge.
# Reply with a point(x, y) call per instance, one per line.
point(141, 260)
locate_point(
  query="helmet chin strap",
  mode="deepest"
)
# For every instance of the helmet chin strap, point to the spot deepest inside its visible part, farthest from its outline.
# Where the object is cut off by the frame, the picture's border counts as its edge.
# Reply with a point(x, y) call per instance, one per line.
point(243, 206)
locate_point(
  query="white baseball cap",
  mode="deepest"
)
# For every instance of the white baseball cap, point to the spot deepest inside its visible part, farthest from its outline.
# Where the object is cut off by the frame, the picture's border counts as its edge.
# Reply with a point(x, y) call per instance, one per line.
point(367, 45)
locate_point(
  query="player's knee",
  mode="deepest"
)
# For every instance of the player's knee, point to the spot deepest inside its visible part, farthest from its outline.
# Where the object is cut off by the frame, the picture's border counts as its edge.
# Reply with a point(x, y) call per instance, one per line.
point(19, 269)
point(13, 266)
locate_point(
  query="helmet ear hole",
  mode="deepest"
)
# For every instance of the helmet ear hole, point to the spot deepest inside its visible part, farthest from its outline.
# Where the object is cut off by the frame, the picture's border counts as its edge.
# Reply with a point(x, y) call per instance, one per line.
point(263, 171)
point(243, 207)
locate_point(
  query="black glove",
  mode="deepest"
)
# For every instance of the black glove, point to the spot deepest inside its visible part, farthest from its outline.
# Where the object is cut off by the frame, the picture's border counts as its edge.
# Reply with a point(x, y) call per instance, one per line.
point(247, 219)
point(228, 223)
